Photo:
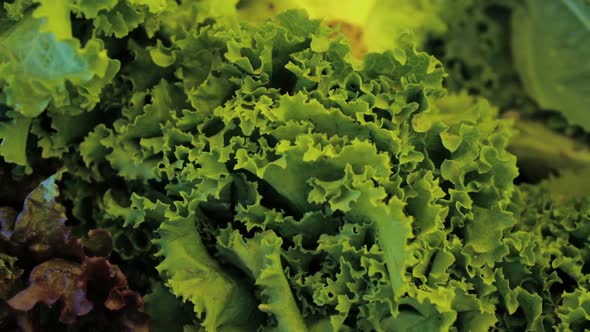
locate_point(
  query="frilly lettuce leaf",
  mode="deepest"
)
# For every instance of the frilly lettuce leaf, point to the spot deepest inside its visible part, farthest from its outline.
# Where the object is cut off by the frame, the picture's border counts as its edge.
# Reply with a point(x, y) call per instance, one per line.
point(274, 178)
point(554, 252)
point(377, 198)
point(220, 299)
point(573, 312)
point(261, 258)
point(43, 65)
point(35, 72)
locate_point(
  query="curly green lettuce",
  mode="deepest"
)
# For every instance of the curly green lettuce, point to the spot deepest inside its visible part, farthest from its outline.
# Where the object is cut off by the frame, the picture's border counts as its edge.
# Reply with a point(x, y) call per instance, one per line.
point(43, 65)
point(295, 187)
point(489, 48)
point(271, 178)
point(555, 217)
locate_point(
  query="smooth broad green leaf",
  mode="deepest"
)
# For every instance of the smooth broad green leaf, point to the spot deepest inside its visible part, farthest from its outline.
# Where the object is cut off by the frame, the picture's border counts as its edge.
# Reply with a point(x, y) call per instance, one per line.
point(553, 60)
point(56, 17)
point(13, 139)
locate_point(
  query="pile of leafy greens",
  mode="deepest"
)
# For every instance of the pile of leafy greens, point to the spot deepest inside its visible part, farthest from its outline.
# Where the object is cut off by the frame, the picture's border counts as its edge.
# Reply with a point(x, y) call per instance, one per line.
point(259, 165)
point(502, 50)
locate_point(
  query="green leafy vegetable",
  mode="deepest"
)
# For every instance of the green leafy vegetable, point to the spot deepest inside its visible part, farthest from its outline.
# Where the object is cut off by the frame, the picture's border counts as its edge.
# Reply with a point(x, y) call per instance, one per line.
point(284, 153)
point(551, 57)
point(557, 217)
point(372, 25)
point(247, 168)
point(39, 57)
point(14, 134)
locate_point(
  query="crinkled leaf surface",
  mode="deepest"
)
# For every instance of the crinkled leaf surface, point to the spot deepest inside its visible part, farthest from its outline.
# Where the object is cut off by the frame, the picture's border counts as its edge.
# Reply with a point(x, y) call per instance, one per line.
point(292, 186)
point(277, 183)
